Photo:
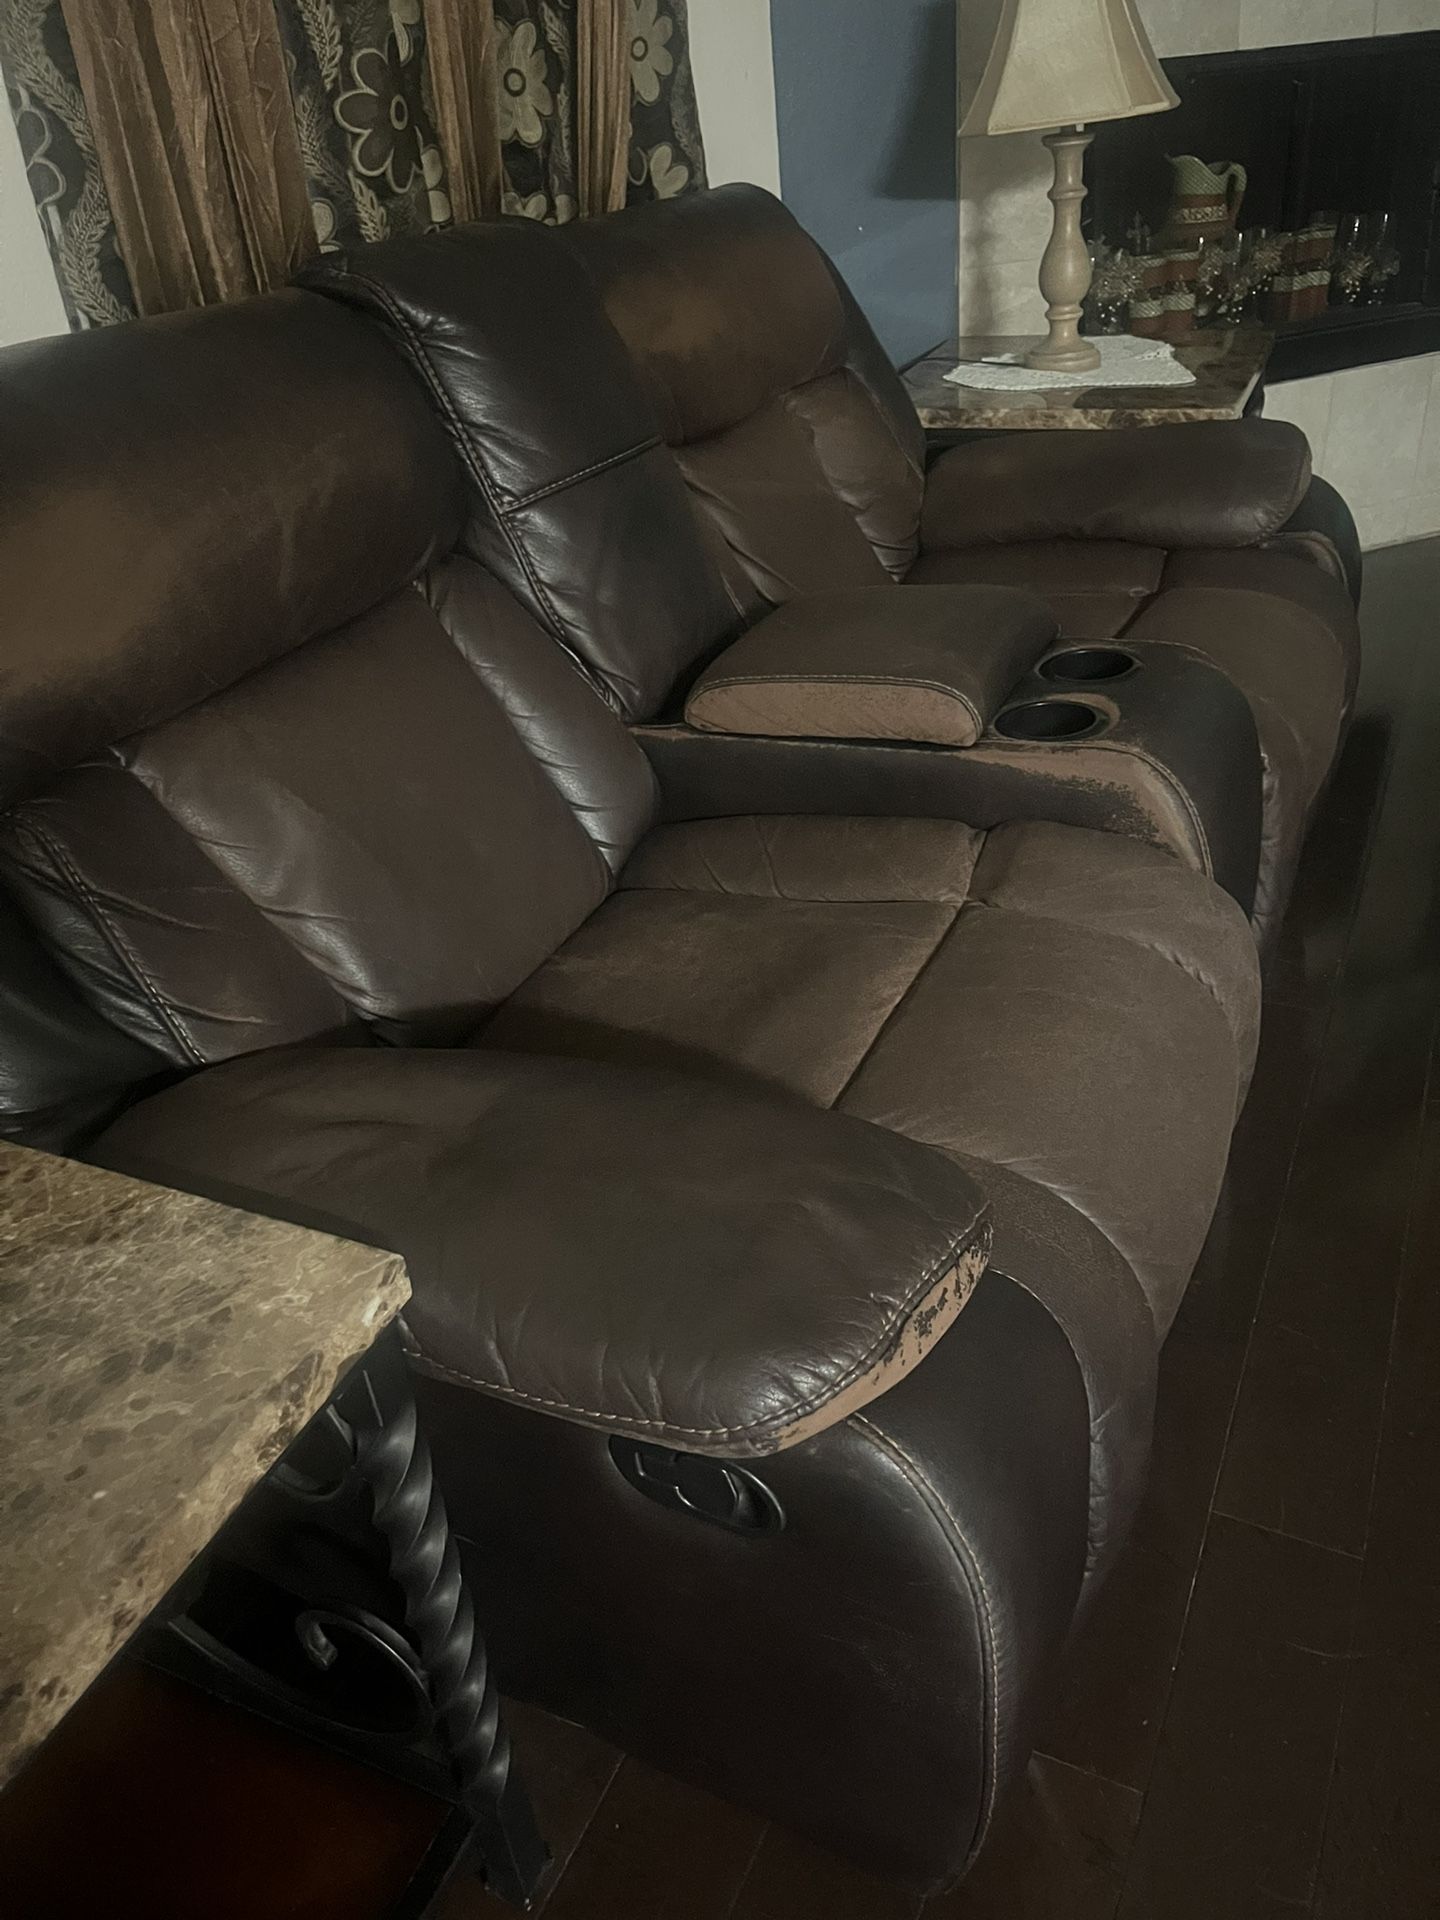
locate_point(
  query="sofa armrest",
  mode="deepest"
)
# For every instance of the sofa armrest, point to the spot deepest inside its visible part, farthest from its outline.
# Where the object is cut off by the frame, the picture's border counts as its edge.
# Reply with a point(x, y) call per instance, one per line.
point(1217, 483)
point(927, 663)
point(716, 1269)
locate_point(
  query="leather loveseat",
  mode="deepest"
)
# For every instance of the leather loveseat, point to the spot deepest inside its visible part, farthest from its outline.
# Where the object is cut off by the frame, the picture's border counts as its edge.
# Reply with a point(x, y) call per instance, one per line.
point(675, 420)
point(845, 1168)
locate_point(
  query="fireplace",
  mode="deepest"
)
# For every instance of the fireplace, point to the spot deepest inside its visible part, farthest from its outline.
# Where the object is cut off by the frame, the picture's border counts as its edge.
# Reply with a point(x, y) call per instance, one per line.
point(1344, 128)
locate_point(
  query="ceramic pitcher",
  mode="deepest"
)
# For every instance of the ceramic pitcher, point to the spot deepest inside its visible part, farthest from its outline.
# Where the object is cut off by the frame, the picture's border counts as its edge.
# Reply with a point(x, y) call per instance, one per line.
point(1205, 200)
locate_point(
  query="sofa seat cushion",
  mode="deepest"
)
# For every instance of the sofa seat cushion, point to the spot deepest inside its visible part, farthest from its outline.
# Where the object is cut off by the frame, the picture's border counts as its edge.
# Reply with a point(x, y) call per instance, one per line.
point(1029, 997)
point(1095, 587)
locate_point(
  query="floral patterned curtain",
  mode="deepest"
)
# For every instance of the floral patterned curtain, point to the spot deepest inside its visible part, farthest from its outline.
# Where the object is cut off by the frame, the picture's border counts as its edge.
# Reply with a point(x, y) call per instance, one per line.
point(537, 94)
point(365, 117)
point(366, 120)
point(60, 158)
point(667, 156)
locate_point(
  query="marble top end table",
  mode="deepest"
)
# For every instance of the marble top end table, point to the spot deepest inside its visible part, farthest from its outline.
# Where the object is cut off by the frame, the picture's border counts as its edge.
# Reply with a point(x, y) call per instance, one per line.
point(1228, 364)
point(171, 1373)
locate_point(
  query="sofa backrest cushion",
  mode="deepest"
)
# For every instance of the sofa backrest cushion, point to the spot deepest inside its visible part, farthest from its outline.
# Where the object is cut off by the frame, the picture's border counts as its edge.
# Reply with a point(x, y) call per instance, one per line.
point(575, 502)
point(671, 419)
point(190, 498)
point(287, 775)
point(792, 427)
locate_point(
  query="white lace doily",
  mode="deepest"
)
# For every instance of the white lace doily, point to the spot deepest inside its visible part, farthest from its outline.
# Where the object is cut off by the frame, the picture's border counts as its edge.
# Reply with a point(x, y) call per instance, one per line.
point(1125, 361)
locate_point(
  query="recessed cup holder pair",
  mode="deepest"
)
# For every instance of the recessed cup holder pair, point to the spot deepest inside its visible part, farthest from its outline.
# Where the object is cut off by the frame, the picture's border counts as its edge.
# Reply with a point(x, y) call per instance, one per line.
point(1048, 720)
point(1067, 719)
point(1085, 666)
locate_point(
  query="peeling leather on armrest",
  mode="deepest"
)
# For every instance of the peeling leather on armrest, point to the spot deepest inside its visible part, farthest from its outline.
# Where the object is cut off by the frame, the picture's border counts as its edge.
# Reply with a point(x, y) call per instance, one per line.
point(711, 1267)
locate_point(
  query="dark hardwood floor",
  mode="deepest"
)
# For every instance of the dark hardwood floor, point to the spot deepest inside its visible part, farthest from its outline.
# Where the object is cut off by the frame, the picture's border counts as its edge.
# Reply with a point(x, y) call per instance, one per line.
point(1249, 1725)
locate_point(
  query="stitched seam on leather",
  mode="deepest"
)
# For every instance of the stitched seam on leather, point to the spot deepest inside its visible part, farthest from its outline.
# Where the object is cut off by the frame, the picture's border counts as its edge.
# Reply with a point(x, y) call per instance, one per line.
point(1167, 776)
point(585, 473)
point(494, 498)
point(975, 1577)
point(910, 552)
point(114, 938)
point(1074, 1331)
point(884, 1026)
point(917, 467)
point(723, 682)
point(439, 606)
point(1304, 474)
point(1288, 535)
point(886, 1339)
point(795, 410)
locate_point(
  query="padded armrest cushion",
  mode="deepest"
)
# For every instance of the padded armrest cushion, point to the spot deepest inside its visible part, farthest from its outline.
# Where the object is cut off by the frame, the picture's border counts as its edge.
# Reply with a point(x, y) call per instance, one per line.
point(922, 663)
point(1220, 483)
point(710, 1268)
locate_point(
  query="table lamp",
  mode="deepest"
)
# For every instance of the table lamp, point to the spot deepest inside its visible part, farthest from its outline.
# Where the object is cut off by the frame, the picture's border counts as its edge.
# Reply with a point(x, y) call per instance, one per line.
point(1062, 64)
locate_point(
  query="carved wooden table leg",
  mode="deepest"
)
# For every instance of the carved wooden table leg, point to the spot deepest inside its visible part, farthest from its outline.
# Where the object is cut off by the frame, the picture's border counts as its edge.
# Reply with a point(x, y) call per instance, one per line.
point(408, 1512)
point(349, 1520)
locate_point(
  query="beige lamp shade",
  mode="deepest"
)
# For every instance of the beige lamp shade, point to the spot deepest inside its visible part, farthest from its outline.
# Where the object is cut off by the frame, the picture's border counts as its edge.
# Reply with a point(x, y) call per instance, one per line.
point(1067, 63)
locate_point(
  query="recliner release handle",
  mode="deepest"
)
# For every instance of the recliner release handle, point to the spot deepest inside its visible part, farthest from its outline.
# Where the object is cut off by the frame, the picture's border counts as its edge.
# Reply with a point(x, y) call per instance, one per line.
point(714, 1490)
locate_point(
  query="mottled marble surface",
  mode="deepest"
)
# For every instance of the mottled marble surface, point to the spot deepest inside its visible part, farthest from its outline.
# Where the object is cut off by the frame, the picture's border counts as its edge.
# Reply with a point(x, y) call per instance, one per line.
point(1227, 363)
point(158, 1353)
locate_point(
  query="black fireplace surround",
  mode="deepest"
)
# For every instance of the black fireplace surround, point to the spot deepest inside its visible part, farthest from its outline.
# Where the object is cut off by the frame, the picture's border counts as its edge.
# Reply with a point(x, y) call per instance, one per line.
point(1351, 126)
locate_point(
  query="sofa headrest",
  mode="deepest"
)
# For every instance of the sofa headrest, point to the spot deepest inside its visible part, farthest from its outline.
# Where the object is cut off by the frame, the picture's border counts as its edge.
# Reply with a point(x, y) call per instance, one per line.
point(184, 499)
point(722, 298)
point(576, 503)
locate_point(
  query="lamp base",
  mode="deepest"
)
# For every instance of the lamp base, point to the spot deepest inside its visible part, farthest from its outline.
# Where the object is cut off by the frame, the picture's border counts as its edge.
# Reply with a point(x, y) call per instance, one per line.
point(1065, 271)
point(1083, 358)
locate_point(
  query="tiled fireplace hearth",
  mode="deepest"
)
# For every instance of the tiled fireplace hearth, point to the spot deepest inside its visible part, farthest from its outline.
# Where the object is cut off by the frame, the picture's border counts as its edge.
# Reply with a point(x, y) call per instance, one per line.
point(1334, 107)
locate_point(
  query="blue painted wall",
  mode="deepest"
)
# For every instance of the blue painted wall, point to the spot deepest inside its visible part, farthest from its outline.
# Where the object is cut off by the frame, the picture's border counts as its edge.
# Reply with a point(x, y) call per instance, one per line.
point(865, 99)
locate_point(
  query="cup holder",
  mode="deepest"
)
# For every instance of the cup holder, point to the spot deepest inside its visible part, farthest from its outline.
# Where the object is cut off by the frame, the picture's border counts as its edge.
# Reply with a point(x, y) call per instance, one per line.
point(1048, 720)
point(1086, 665)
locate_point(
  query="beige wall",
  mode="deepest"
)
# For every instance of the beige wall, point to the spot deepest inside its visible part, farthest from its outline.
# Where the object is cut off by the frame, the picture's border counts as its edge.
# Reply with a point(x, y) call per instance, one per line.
point(1375, 430)
point(29, 298)
point(730, 48)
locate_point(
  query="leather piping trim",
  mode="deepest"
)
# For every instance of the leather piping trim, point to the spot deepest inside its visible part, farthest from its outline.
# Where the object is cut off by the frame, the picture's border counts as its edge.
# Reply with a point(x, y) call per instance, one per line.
point(1023, 752)
point(852, 372)
point(110, 932)
point(608, 869)
point(796, 408)
point(969, 1565)
point(1167, 778)
point(1289, 539)
point(777, 1430)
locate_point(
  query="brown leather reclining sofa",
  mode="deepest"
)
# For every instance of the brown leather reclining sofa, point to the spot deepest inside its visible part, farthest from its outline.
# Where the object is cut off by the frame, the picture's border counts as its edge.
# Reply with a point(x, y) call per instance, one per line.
point(675, 420)
point(329, 886)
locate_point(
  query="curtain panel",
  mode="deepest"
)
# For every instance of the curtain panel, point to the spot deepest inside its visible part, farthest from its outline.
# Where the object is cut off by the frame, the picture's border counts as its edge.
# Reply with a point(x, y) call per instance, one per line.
point(556, 156)
point(187, 151)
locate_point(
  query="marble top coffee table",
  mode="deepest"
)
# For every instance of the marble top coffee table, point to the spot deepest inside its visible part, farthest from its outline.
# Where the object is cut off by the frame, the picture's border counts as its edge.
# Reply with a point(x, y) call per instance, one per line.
point(1227, 362)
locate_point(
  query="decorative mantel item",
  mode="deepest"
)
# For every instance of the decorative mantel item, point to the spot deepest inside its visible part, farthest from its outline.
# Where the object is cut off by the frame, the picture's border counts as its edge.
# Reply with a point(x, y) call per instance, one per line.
point(1205, 200)
point(1062, 65)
